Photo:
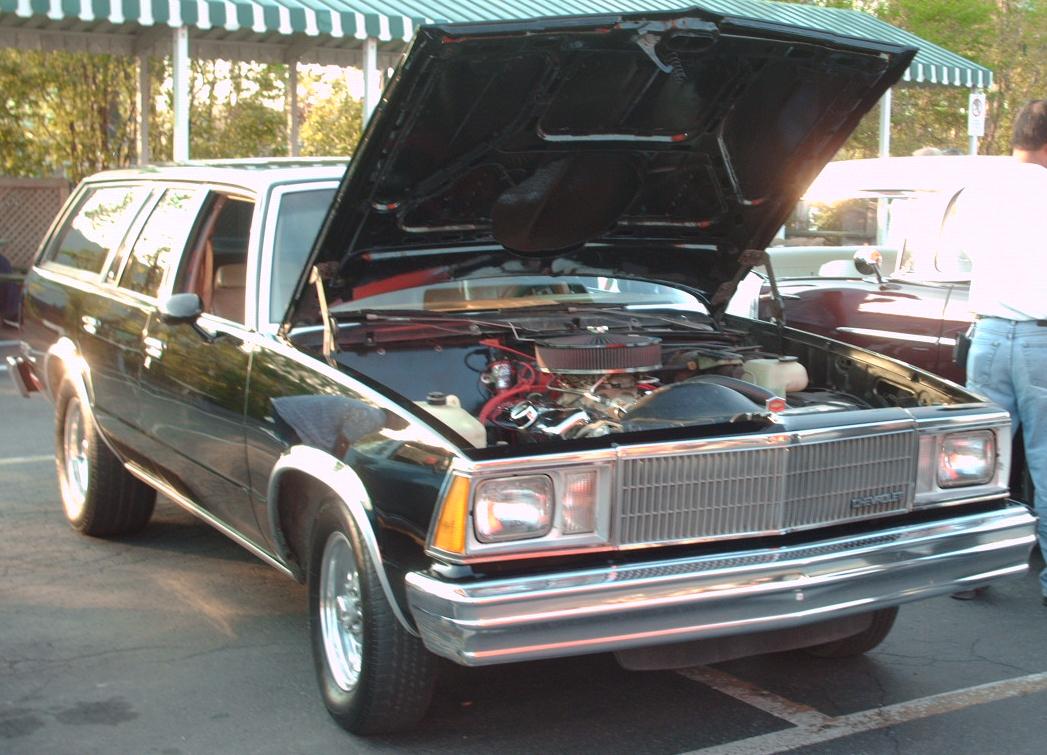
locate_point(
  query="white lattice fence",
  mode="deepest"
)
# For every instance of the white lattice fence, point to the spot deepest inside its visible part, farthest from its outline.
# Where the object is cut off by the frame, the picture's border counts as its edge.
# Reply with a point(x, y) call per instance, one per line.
point(27, 207)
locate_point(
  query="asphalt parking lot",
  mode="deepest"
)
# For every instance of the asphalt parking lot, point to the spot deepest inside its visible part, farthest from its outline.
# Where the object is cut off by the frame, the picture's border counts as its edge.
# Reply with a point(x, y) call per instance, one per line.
point(178, 641)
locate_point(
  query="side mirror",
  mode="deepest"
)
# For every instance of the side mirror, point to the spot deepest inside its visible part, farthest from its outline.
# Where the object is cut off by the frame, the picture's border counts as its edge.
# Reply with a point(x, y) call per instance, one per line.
point(867, 261)
point(180, 309)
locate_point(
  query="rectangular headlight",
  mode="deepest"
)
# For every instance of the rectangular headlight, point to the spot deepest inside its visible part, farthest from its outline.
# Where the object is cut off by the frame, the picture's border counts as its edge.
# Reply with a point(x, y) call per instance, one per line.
point(513, 508)
point(967, 458)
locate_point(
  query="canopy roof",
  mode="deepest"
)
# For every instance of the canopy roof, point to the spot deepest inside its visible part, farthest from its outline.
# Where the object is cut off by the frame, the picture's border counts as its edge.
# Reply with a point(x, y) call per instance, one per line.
point(332, 31)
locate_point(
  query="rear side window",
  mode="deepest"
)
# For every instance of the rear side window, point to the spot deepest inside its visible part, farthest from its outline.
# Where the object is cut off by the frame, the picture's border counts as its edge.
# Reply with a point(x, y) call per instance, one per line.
point(98, 226)
point(164, 235)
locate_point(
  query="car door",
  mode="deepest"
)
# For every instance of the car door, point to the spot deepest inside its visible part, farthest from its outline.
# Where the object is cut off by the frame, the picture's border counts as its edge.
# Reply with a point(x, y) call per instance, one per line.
point(911, 316)
point(899, 319)
point(194, 379)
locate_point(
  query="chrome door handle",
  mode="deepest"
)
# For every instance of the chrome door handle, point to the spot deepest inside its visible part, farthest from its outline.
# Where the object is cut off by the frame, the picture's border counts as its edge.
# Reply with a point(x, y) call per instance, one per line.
point(154, 347)
point(90, 324)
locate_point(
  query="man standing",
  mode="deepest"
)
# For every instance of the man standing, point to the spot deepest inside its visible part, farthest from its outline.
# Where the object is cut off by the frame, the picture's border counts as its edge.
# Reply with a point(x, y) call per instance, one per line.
point(1007, 243)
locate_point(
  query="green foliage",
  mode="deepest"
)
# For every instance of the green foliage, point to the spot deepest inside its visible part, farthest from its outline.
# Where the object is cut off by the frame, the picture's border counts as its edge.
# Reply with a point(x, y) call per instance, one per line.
point(331, 124)
point(65, 113)
point(243, 123)
point(1007, 36)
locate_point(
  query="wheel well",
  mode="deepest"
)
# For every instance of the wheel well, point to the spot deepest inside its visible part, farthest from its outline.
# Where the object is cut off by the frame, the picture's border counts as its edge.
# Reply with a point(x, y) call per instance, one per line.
point(298, 498)
point(54, 374)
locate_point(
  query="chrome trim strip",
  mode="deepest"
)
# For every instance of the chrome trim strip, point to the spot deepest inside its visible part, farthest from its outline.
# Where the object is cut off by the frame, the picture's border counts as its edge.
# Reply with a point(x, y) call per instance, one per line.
point(893, 335)
point(719, 443)
point(635, 605)
point(341, 480)
point(14, 365)
point(990, 419)
point(201, 513)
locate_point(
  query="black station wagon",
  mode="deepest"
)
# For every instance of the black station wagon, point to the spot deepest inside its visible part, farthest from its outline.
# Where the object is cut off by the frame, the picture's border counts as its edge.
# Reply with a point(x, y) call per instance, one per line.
point(480, 392)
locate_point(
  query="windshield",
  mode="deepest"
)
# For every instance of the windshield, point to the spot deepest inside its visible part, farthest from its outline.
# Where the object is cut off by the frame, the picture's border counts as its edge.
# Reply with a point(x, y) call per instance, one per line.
point(523, 291)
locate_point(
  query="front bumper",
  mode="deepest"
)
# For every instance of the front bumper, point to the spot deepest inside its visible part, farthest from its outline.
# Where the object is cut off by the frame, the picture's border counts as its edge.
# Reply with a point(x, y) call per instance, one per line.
point(618, 607)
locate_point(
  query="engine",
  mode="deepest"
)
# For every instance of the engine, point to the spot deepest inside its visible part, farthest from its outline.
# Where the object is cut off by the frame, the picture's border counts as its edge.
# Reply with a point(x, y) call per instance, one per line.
point(597, 383)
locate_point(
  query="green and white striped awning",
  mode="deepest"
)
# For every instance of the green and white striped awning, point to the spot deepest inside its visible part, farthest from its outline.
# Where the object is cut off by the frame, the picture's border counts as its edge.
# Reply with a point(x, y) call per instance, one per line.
point(332, 25)
point(334, 18)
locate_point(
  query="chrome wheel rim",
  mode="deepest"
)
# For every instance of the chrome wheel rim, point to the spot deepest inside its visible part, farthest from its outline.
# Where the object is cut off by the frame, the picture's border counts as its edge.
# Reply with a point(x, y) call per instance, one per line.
point(341, 612)
point(76, 476)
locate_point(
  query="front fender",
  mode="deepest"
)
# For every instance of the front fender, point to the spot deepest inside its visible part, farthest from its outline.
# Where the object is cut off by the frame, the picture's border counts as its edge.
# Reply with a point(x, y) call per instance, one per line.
point(343, 482)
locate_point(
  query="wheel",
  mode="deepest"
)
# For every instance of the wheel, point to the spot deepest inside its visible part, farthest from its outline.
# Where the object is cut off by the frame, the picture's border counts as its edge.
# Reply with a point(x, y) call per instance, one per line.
point(863, 642)
point(99, 496)
point(374, 676)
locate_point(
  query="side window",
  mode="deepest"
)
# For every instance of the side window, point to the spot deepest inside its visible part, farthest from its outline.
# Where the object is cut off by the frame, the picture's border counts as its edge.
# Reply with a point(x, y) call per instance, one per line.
point(164, 234)
point(216, 267)
point(97, 227)
point(297, 223)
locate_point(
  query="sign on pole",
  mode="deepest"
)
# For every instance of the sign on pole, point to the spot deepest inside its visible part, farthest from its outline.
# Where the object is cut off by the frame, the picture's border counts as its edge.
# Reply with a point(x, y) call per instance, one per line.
point(976, 114)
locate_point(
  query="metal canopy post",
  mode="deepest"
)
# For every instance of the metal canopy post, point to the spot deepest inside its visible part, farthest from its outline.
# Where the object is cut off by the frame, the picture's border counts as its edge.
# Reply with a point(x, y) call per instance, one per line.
point(885, 151)
point(885, 124)
point(372, 86)
point(180, 82)
point(293, 137)
point(143, 103)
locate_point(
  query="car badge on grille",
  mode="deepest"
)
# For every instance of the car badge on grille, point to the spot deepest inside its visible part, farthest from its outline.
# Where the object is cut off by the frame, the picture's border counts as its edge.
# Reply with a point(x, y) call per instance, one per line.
point(882, 499)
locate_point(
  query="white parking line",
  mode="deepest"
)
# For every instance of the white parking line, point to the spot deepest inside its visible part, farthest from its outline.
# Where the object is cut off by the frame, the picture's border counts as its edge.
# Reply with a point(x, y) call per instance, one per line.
point(869, 720)
point(26, 460)
point(768, 702)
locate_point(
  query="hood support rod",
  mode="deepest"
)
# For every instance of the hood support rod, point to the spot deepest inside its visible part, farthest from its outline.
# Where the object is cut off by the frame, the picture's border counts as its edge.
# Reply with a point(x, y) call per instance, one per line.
point(330, 342)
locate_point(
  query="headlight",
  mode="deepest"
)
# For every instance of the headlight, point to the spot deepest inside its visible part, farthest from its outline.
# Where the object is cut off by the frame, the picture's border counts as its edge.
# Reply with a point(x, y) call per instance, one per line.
point(966, 459)
point(513, 508)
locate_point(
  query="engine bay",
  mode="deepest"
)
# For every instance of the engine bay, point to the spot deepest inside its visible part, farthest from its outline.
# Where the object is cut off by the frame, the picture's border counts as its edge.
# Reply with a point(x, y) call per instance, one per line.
point(529, 383)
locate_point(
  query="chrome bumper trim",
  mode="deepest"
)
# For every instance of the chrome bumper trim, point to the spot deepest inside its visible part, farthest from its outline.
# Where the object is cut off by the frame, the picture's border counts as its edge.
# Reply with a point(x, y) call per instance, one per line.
point(14, 369)
point(617, 607)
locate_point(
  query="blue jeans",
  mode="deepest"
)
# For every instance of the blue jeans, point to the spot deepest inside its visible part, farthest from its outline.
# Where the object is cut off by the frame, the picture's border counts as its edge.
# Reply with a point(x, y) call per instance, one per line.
point(1008, 364)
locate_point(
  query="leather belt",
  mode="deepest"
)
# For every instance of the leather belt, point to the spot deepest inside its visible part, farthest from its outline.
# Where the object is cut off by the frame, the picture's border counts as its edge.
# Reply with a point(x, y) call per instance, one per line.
point(1040, 323)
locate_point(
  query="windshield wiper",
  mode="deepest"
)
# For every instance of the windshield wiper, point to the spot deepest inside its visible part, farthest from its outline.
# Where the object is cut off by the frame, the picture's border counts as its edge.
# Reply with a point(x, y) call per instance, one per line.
point(420, 317)
point(680, 320)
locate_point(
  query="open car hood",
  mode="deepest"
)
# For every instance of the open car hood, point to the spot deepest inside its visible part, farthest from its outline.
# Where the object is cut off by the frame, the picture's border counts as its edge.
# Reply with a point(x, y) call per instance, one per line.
point(660, 146)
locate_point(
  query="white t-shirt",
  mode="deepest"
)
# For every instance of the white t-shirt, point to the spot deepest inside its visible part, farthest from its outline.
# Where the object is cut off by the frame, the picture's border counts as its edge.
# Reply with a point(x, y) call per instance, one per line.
point(1004, 216)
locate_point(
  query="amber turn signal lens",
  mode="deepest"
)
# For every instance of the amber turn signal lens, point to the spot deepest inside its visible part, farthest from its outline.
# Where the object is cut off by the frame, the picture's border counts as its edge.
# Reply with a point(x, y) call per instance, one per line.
point(454, 517)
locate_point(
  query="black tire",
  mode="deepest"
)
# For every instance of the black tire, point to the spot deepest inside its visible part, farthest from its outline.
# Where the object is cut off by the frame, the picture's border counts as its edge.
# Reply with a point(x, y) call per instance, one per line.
point(395, 675)
point(863, 642)
point(101, 499)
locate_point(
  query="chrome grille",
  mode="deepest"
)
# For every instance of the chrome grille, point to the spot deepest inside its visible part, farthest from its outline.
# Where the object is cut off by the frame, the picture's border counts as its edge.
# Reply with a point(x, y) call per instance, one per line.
point(754, 490)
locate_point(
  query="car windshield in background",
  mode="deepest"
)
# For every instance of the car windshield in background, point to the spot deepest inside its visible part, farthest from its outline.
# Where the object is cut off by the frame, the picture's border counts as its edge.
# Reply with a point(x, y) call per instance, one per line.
point(523, 291)
point(847, 221)
point(297, 223)
point(933, 240)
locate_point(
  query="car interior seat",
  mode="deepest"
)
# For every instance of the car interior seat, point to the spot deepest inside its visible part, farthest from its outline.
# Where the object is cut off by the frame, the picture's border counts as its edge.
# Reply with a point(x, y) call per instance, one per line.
point(228, 292)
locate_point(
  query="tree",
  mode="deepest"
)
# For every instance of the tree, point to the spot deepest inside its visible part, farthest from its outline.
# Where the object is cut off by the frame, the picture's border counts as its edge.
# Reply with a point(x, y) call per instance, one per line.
point(1007, 36)
point(333, 119)
point(65, 113)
